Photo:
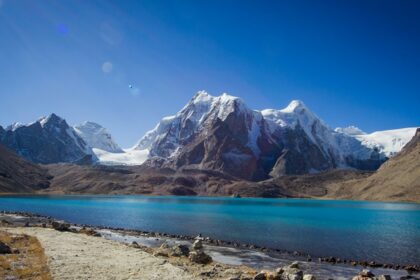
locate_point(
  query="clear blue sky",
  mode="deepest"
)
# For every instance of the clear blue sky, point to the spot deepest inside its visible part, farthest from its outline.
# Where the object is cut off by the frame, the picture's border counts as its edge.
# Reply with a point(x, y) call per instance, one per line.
point(352, 62)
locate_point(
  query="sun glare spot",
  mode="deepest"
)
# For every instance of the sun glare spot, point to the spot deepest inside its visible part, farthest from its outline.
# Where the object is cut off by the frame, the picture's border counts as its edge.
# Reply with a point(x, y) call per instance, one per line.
point(107, 67)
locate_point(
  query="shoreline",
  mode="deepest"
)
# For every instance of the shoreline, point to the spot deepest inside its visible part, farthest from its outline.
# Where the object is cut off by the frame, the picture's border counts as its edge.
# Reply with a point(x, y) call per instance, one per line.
point(35, 220)
point(41, 193)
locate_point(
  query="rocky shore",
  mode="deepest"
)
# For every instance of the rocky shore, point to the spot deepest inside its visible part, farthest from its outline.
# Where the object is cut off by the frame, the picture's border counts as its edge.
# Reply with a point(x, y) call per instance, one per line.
point(194, 252)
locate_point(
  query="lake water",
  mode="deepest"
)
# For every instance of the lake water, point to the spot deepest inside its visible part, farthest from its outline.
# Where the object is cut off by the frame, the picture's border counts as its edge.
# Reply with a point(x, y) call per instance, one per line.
point(383, 232)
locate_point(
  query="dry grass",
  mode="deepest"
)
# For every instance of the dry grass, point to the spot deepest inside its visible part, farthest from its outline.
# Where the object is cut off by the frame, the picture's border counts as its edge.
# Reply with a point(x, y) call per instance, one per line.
point(28, 260)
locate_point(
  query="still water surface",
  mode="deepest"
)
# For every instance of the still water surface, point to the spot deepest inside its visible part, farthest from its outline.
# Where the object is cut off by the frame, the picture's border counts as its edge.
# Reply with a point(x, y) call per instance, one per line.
point(383, 232)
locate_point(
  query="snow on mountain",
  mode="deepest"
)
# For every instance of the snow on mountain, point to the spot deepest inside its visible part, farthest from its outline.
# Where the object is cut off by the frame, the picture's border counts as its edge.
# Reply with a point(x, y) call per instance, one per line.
point(97, 137)
point(127, 157)
point(180, 126)
point(47, 140)
point(173, 132)
point(219, 133)
point(296, 113)
point(283, 129)
point(350, 130)
point(388, 142)
point(14, 126)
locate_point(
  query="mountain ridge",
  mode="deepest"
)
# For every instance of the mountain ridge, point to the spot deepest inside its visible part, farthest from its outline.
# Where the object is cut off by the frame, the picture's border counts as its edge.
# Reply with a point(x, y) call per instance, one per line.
point(300, 140)
point(216, 133)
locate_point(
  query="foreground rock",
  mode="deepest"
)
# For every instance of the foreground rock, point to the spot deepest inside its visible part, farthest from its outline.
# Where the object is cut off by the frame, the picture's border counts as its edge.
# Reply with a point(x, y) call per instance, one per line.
point(60, 226)
point(197, 255)
point(4, 249)
point(366, 274)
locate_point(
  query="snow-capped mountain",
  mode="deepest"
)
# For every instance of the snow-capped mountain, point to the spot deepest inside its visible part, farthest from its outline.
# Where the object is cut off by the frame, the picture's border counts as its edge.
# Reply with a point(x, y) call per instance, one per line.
point(386, 142)
point(48, 140)
point(173, 132)
point(222, 133)
point(216, 133)
point(96, 136)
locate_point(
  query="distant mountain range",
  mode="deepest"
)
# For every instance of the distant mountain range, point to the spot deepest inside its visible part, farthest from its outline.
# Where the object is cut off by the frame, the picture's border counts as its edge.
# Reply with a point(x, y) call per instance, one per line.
point(396, 180)
point(215, 133)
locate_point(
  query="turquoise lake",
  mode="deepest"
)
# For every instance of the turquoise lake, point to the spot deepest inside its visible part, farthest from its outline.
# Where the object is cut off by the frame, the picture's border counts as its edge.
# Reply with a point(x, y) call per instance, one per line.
point(378, 231)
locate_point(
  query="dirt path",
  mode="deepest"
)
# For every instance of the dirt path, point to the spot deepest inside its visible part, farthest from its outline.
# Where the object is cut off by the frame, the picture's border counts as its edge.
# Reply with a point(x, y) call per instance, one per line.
point(78, 256)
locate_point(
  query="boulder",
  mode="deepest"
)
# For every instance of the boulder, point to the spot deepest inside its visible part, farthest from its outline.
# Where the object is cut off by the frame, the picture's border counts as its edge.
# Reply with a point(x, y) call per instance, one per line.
point(164, 245)
point(4, 248)
point(199, 257)
point(383, 277)
point(180, 250)
point(136, 245)
point(294, 265)
point(291, 272)
point(308, 277)
point(197, 245)
point(260, 276)
point(60, 226)
point(161, 252)
point(365, 274)
point(272, 276)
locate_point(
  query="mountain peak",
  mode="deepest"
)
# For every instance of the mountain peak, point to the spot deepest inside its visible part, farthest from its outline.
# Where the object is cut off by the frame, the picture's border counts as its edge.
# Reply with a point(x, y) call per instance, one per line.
point(96, 136)
point(52, 118)
point(294, 106)
point(93, 125)
point(201, 96)
point(14, 126)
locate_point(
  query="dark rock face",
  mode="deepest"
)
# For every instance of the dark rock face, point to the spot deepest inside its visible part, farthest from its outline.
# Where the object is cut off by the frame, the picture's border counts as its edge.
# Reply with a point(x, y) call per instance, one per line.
point(49, 140)
point(4, 249)
point(2, 132)
point(179, 250)
point(19, 175)
point(224, 147)
point(60, 226)
point(223, 134)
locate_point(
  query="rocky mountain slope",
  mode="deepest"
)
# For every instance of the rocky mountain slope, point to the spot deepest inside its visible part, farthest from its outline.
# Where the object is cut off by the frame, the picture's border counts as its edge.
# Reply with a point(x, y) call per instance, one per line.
point(215, 133)
point(18, 175)
point(48, 140)
point(96, 136)
point(221, 133)
point(397, 179)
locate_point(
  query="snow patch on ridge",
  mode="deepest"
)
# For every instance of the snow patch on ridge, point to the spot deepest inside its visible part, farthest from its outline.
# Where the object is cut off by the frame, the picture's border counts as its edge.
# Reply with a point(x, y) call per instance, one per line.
point(388, 142)
point(128, 157)
point(350, 130)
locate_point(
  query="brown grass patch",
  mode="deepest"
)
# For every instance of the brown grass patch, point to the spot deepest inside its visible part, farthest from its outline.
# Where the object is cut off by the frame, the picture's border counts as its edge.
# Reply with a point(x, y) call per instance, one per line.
point(28, 260)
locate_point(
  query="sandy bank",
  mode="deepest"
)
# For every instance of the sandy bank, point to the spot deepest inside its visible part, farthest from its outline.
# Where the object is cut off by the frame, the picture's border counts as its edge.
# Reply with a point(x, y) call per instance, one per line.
point(78, 256)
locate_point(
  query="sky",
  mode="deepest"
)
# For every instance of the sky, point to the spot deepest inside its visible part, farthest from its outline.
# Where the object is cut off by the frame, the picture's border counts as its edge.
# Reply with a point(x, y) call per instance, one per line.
point(126, 64)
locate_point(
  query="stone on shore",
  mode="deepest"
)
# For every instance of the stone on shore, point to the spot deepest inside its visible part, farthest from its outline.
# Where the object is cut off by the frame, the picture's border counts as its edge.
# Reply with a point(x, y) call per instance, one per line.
point(179, 250)
point(383, 277)
point(290, 272)
point(197, 245)
point(4, 248)
point(365, 274)
point(197, 254)
point(60, 226)
point(199, 257)
point(294, 265)
point(308, 277)
point(260, 276)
